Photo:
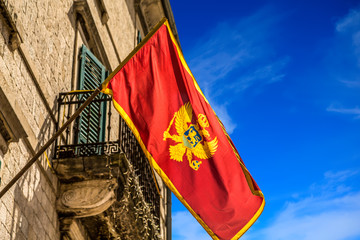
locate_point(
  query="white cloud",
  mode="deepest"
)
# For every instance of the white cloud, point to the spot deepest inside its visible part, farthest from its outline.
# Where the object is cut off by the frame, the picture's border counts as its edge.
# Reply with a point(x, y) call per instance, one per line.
point(351, 84)
point(185, 227)
point(351, 111)
point(339, 176)
point(221, 110)
point(263, 75)
point(348, 28)
point(237, 56)
point(235, 46)
point(349, 22)
point(343, 62)
point(325, 213)
point(334, 183)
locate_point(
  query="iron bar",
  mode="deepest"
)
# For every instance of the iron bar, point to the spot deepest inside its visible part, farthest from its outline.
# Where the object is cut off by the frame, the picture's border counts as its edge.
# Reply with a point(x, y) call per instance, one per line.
point(48, 143)
point(126, 142)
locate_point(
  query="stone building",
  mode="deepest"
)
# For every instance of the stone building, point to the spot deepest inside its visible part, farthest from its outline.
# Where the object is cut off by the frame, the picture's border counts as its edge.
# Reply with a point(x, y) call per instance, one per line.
point(94, 182)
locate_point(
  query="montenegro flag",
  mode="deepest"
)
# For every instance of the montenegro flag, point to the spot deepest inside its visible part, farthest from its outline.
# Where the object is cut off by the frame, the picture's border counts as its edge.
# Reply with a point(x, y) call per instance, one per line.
point(156, 94)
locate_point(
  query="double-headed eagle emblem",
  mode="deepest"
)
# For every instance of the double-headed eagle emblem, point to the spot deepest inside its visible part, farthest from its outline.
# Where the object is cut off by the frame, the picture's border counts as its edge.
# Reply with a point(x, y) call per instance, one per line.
point(192, 139)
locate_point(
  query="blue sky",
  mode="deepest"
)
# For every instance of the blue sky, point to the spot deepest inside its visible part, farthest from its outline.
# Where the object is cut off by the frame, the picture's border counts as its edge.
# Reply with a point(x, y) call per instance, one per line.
point(284, 77)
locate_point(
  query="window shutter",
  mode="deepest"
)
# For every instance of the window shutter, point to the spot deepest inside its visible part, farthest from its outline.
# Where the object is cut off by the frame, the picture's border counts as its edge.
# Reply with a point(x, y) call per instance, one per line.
point(139, 38)
point(91, 125)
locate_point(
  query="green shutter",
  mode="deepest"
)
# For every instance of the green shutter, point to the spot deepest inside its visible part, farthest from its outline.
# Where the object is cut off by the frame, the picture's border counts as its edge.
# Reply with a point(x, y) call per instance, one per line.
point(92, 120)
point(139, 38)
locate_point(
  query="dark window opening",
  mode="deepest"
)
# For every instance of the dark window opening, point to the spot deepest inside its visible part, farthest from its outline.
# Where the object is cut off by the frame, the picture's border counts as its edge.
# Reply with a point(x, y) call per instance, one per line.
point(4, 130)
point(139, 38)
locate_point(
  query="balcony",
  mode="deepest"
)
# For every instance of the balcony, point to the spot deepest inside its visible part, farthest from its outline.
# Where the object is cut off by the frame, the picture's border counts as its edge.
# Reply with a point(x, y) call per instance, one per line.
point(107, 184)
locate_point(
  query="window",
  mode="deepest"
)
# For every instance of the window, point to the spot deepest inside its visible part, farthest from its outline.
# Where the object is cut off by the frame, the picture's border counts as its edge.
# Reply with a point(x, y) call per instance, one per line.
point(5, 137)
point(10, 127)
point(5, 134)
point(91, 123)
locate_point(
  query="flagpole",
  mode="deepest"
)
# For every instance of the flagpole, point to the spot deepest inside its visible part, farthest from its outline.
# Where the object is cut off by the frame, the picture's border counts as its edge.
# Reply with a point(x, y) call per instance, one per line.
point(49, 142)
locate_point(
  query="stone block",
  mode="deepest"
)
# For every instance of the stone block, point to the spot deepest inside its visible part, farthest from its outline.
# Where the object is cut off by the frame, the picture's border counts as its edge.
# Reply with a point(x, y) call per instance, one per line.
point(20, 236)
point(55, 219)
point(42, 234)
point(8, 201)
point(15, 221)
point(35, 203)
point(6, 175)
point(51, 232)
point(41, 195)
point(9, 221)
point(2, 212)
point(32, 234)
point(36, 224)
point(24, 225)
point(50, 212)
point(30, 214)
point(48, 189)
point(4, 233)
point(44, 218)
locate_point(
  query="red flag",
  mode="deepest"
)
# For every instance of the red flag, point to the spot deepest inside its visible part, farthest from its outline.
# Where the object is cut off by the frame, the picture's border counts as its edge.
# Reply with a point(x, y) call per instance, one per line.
point(158, 97)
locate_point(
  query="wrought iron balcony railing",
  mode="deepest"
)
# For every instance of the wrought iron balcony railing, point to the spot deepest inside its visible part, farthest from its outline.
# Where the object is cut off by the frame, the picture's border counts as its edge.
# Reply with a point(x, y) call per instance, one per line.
point(98, 131)
point(86, 135)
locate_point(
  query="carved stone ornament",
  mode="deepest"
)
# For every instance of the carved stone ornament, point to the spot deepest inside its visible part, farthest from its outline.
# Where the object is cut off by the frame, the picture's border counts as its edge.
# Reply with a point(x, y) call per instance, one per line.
point(86, 198)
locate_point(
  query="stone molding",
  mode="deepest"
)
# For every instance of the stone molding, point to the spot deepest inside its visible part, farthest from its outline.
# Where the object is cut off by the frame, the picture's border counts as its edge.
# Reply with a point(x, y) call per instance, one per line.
point(86, 198)
point(81, 7)
point(10, 120)
point(72, 229)
point(13, 25)
point(152, 12)
point(104, 13)
point(14, 41)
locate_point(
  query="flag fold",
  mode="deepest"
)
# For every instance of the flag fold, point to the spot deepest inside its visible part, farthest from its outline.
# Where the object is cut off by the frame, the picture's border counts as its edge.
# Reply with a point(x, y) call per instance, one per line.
point(156, 94)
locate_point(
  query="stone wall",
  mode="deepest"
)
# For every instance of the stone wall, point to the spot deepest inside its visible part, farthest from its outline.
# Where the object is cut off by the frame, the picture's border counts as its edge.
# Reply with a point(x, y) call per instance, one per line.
point(27, 210)
point(30, 77)
point(39, 47)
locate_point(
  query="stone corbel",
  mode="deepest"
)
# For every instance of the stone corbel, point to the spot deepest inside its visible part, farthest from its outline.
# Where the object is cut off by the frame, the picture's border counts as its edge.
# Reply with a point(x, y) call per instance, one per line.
point(152, 11)
point(10, 124)
point(13, 25)
point(14, 41)
point(104, 13)
point(82, 8)
point(86, 198)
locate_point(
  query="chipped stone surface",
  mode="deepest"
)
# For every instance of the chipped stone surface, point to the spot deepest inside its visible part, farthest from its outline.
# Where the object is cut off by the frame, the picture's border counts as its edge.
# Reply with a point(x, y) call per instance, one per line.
point(39, 49)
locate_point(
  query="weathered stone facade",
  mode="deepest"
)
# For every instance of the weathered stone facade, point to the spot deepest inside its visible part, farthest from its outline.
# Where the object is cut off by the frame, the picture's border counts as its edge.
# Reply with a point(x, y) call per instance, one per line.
point(39, 58)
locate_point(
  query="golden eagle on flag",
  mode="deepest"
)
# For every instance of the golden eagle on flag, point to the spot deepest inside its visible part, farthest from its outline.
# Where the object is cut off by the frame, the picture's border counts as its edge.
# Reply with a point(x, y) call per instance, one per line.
point(191, 140)
point(156, 94)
